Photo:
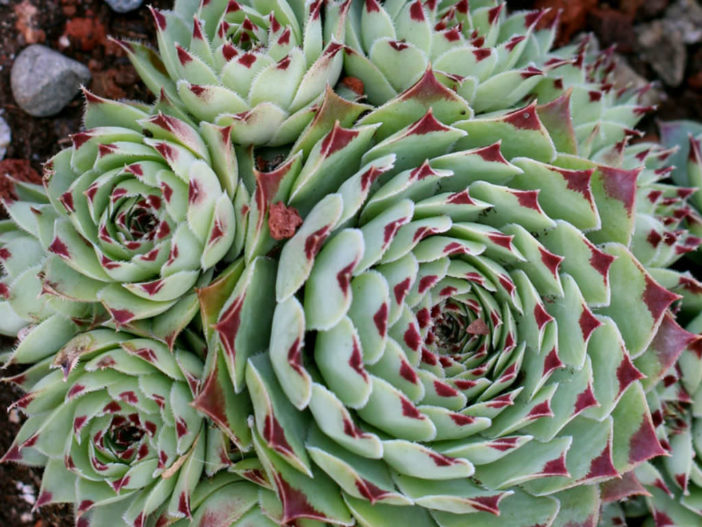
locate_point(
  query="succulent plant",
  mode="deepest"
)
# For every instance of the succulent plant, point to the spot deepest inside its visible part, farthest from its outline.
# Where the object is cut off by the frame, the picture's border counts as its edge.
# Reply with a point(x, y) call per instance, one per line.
point(134, 215)
point(43, 321)
point(449, 306)
point(109, 418)
point(439, 337)
point(490, 58)
point(257, 66)
point(686, 138)
point(668, 488)
point(666, 491)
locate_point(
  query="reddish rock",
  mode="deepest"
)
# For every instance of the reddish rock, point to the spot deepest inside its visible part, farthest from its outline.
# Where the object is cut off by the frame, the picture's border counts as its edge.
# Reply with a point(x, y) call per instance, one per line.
point(283, 221)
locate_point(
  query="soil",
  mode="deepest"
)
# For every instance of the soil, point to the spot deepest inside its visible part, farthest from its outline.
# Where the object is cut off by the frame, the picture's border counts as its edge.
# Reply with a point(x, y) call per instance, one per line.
point(79, 29)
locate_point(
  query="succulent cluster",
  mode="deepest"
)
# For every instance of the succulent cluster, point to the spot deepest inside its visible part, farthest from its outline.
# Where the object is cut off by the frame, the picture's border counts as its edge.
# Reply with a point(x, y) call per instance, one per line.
point(360, 263)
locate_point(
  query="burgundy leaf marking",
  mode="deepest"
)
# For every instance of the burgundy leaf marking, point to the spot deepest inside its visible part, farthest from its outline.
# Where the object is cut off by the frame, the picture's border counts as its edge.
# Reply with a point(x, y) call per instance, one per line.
point(412, 337)
point(426, 125)
point(181, 427)
point(247, 60)
point(370, 492)
point(644, 444)
point(540, 410)
point(552, 362)
point(427, 282)
point(410, 410)
point(461, 198)
point(417, 12)
point(504, 443)
point(59, 248)
point(356, 360)
point(524, 118)
point(369, 177)
point(541, 316)
point(494, 13)
point(274, 435)
point(343, 278)
point(602, 466)
point(401, 289)
point(315, 240)
point(461, 420)
point(295, 502)
point(627, 373)
point(372, 6)
point(600, 260)
point(75, 390)
point(487, 503)
point(337, 139)
point(620, 184)
point(429, 358)
point(152, 287)
point(228, 325)
point(555, 467)
point(121, 316)
point(657, 298)
point(408, 373)
point(380, 318)
point(578, 181)
point(481, 53)
point(295, 357)
point(43, 499)
point(444, 390)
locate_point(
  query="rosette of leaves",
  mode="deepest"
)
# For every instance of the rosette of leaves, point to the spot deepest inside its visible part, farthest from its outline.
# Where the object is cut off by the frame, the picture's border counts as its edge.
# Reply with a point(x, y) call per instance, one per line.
point(587, 116)
point(110, 419)
point(669, 488)
point(135, 214)
point(686, 137)
point(257, 66)
point(447, 329)
point(585, 111)
point(25, 303)
point(490, 58)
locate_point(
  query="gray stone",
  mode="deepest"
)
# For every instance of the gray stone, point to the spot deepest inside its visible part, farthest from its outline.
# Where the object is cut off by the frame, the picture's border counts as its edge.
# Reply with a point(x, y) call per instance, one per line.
point(123, 6)
point(5, 137)
point(686, 16)
point(624, 76)
point(43, 81)
point(660, 44)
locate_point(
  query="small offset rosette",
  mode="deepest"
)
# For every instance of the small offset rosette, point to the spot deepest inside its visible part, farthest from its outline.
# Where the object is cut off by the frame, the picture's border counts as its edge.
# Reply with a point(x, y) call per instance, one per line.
point(589, 112)
point(42, 321)
point(686, 138)
point(456, 330)
point(144, 206)
point(25, 305)
point(667, 490)
point(260, 67)
point(490, 58)
point(110, 419)
point(665, 216)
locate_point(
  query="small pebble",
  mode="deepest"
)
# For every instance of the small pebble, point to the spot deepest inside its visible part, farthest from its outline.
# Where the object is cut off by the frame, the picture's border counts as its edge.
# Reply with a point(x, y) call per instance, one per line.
point(5, 137)
point(123, 6)
point(27, 492)
point(660, 44)
point(13, 416)
point(43, 81)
